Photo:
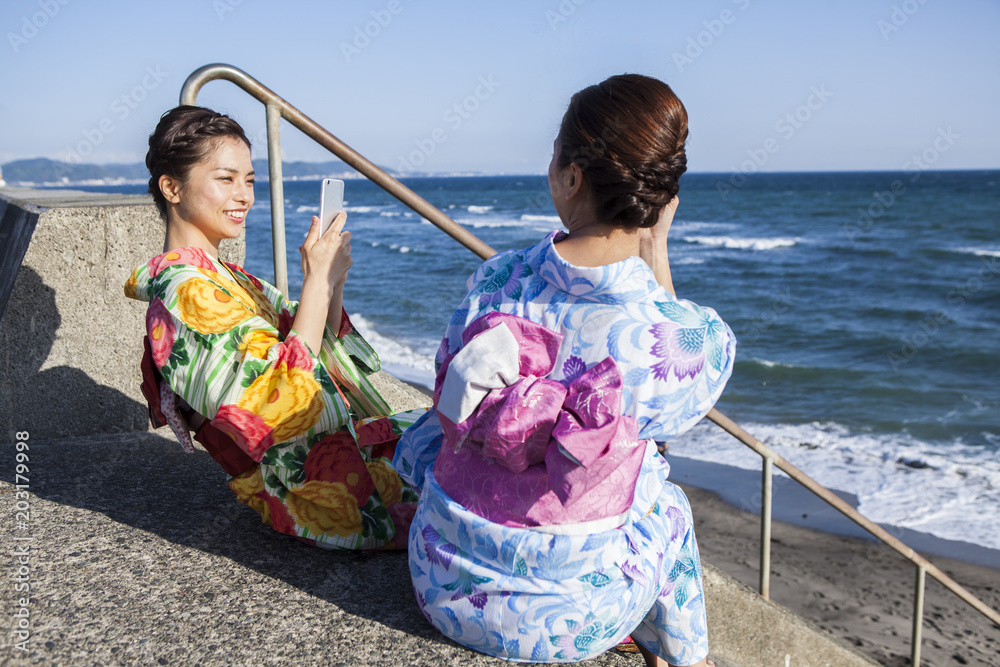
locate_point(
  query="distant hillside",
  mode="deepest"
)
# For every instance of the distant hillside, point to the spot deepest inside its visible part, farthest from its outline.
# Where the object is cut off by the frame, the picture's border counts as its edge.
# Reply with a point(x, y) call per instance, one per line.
point(43, 170)
point(309, 170)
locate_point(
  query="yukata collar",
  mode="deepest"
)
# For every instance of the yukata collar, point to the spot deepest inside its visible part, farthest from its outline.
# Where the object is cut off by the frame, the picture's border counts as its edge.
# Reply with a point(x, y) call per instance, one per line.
point(622, 282)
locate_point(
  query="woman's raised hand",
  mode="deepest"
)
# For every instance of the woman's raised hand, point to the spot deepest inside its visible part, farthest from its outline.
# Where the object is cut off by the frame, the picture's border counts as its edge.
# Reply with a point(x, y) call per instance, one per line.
point(325, 261)
point(658, 232)
point(326, 258)
point(653, 245)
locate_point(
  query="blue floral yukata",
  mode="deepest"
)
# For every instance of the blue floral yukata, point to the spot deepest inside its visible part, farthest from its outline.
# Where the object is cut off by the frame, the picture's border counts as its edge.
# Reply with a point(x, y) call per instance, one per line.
point(526, 590)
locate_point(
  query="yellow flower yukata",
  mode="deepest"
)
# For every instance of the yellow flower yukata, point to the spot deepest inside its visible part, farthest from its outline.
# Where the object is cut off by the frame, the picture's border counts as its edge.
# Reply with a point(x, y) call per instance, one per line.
point(306, 438)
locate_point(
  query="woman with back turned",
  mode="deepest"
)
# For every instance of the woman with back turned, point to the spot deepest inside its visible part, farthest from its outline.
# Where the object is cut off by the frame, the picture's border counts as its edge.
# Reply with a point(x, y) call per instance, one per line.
point(547, 529)
point(276, 390)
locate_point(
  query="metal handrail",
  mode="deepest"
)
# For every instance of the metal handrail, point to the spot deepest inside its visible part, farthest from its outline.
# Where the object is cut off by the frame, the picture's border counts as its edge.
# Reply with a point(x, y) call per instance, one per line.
point(277, 108)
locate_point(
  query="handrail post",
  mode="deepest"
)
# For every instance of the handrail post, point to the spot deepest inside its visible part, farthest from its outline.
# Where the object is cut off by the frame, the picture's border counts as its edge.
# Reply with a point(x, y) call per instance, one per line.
point(918, 616)
point(273, 113)
point(765, 529)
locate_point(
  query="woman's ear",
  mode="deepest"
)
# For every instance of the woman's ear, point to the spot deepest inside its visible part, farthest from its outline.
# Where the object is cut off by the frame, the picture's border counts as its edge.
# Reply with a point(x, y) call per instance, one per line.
point(573, 180)
point(170, 187)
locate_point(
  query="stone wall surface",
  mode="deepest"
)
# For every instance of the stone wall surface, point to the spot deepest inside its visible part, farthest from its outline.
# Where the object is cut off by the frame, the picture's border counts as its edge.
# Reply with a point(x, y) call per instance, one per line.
point(747, 630)
point(70, 342)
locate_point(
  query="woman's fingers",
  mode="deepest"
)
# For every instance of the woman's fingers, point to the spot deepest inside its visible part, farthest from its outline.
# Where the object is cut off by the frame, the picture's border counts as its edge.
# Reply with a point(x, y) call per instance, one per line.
point(662, 226)
point(669, 210)
point(339, 222)
point(327, 255)
point(312, 235)
point(334, 236)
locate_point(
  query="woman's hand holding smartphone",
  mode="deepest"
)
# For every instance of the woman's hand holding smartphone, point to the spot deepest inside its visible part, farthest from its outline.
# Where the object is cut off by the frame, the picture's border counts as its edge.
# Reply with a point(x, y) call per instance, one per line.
point(331, 202)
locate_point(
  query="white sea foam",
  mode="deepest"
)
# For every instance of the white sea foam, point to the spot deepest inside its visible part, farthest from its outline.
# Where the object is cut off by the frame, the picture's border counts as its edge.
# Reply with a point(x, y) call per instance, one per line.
point(773, 364)
point(479, 209)
point(688, 226)
point(950, 491)
point(687, 260)
point(742, 243)
point(494, 220)
point(361, 209)
point(389, 214)
point(399, 359)
point(404, 249)
point(541, 223)
point(307, 209)
point(980, 252)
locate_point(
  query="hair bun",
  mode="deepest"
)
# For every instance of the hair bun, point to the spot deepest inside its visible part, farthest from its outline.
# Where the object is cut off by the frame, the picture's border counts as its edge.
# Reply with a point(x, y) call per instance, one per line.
point(611, 130)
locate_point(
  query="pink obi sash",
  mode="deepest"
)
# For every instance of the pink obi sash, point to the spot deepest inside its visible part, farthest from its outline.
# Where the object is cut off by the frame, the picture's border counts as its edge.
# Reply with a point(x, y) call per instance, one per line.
point(523, 450)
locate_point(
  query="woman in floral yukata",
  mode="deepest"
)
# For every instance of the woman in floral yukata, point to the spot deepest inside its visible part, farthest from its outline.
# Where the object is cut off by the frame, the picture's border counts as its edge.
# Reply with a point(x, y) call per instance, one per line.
point(546, 528)
point(275, 390)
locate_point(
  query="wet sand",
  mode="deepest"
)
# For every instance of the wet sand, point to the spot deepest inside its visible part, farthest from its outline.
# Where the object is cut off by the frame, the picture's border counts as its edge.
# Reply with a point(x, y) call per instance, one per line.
point(858, 590)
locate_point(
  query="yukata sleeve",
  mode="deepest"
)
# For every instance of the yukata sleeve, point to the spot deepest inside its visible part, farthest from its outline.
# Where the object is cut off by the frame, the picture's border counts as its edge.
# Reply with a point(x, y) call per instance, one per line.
point(346, 355)
point(689, 356)
point(351, 360)
point(418, 448)
point(232, 366)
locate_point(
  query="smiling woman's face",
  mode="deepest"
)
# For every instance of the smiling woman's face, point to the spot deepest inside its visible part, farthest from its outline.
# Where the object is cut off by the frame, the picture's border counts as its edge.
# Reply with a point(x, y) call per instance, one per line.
point(218, 192)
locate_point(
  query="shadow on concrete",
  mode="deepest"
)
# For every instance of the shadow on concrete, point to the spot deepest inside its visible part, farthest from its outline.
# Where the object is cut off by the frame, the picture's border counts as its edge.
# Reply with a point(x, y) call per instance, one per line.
point(147, 482)
point(61, 401)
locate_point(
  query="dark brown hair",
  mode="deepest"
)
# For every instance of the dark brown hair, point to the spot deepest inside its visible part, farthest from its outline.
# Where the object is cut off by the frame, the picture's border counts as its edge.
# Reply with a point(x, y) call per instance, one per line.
point(627, 134)
point(185, 136)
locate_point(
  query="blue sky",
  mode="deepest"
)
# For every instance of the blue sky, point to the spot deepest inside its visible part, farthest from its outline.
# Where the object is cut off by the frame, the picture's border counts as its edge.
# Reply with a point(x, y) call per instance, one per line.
point(823, 85)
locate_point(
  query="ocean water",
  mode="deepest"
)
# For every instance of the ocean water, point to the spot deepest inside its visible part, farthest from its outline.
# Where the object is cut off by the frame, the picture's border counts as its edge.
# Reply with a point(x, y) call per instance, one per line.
point(866, 306)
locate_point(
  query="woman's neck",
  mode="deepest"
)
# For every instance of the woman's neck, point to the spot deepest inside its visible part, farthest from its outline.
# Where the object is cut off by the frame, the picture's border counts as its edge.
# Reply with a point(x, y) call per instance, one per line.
point(180, 235)
point(592, 244)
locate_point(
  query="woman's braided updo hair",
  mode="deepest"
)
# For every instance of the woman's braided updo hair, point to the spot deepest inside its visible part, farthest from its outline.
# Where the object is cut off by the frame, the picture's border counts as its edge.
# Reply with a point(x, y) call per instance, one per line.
point(185, 136)
point(627, 134)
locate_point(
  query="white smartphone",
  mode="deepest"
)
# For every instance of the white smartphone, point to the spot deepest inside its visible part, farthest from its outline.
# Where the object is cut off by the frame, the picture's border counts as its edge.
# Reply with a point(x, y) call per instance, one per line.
point(331, 202)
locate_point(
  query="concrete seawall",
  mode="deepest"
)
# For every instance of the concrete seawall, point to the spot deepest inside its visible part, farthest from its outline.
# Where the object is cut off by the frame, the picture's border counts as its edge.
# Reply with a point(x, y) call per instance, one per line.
point(70, 342)
point(70, 345)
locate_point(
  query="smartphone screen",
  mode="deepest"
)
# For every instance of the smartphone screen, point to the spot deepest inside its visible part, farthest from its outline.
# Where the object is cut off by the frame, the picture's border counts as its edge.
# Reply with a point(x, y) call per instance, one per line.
point(331, 202)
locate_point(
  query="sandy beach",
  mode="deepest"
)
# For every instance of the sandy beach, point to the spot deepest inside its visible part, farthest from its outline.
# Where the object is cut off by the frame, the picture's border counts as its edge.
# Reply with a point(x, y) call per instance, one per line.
point(858, 590)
